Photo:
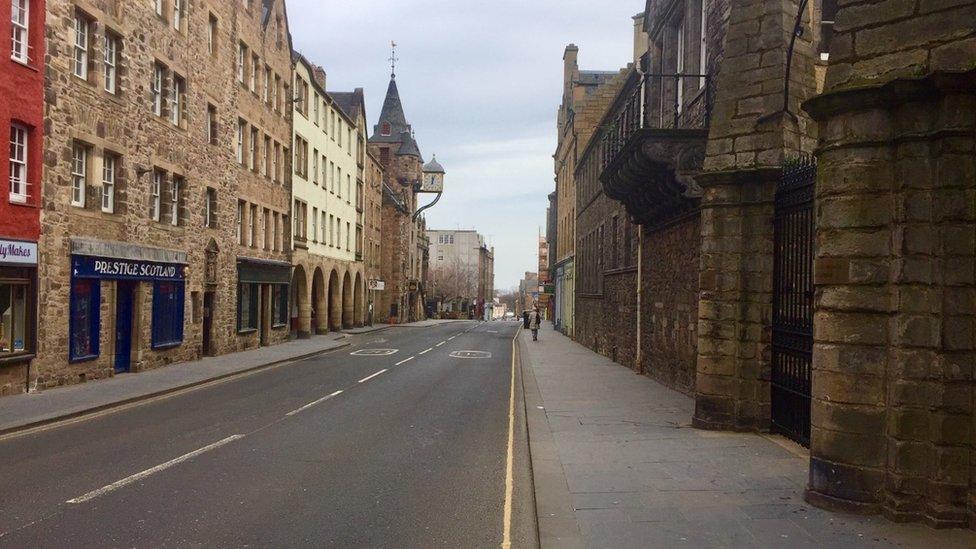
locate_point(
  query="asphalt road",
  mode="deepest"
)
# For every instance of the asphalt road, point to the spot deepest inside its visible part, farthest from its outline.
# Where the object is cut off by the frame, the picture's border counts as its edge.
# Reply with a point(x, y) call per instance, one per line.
point(408, 454)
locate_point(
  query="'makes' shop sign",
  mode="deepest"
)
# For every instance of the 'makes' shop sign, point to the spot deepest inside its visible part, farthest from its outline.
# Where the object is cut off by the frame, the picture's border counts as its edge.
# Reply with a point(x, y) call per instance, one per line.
point(127, 269)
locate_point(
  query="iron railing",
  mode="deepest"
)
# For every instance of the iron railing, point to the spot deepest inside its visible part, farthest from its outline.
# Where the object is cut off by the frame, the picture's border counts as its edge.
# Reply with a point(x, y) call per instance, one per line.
point(656, 101)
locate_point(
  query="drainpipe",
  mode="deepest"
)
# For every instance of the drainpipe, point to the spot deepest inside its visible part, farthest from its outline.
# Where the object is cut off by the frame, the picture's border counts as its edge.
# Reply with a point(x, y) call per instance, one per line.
point(640, 294)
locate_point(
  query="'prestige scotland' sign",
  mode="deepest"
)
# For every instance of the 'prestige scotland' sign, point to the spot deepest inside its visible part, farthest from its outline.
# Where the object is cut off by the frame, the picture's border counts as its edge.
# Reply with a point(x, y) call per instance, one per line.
point(104, 267)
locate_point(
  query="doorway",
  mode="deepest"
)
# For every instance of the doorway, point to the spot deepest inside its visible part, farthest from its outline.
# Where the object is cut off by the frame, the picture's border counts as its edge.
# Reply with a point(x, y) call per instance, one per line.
point(124, 308)
point(208, 314)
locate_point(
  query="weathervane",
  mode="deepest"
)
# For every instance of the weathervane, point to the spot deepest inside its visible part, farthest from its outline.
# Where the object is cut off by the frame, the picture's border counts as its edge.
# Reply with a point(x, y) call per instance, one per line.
point(393, 59)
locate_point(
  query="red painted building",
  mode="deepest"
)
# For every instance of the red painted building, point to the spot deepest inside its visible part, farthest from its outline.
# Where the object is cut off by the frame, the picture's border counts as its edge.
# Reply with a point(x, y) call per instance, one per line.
point(22, 124)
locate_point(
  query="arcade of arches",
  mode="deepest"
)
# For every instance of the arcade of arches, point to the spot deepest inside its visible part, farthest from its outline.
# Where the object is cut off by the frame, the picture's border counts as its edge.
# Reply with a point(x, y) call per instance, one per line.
point(326, 297)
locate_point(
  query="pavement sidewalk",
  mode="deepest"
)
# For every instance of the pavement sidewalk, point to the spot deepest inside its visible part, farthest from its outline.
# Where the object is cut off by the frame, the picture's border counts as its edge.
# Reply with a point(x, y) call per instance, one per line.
point(616, 463)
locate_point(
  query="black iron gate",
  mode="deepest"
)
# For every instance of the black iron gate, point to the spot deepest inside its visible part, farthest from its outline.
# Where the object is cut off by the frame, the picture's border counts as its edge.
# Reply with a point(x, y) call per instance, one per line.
point(793, 300)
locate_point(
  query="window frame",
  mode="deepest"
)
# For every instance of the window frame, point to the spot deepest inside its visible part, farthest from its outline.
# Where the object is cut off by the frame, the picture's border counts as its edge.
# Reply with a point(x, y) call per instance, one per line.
point(110, 60)
point(80, 50)
point(249, 324)
point(109, 178)
point(155, 192)
point(168, 318)
point(20, 31)
point(175, 190)
point(19, 164)
point(79, 178)
point(93, 317)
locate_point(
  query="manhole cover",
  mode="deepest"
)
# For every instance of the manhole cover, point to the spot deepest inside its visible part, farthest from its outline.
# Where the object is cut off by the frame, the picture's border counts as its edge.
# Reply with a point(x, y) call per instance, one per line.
point(373, 352)
point(470, 354)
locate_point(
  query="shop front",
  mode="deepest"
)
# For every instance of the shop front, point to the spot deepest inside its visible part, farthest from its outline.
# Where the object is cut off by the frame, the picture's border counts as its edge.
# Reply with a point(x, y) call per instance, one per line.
point(18, 317)
point(262, 299)
point(133, 279)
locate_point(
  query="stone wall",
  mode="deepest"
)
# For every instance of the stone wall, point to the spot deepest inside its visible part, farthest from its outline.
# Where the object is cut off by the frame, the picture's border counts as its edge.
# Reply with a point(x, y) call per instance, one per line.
point(124, 124)
point(669, 317)
point(895, 324)
point(750, 136)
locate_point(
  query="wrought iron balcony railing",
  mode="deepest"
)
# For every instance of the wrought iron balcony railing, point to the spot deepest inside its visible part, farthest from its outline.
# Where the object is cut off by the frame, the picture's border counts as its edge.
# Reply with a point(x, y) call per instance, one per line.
point(656, 101)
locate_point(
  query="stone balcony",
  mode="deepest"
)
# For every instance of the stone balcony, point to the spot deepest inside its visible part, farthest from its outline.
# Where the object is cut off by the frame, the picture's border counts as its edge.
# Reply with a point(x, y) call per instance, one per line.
point(652, 144)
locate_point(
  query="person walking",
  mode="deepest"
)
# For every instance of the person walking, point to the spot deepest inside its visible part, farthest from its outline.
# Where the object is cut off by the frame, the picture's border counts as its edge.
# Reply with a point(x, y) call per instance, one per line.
point(535, 320)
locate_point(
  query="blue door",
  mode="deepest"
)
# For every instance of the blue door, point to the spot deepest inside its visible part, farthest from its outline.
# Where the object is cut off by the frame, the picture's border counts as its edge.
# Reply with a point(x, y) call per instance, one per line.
point(123, 325)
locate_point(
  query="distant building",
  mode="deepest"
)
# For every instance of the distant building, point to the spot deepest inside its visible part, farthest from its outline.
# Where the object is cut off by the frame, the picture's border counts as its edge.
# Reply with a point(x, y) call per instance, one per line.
point(461, 273)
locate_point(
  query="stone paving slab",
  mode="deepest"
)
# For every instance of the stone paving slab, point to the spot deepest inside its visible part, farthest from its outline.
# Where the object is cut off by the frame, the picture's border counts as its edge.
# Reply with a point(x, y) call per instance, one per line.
point(20, 412)
point(621, 452)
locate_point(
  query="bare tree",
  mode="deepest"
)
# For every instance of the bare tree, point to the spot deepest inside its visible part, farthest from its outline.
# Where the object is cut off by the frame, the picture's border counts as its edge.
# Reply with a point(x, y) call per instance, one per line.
point(453, 282)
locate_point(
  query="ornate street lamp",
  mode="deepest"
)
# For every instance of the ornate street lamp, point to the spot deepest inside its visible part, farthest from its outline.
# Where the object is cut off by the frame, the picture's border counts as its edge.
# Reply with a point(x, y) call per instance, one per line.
point(432, 182)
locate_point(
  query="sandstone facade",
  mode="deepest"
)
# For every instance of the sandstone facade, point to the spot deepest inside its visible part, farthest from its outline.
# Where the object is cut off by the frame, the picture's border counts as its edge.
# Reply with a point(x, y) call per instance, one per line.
point(144, 166)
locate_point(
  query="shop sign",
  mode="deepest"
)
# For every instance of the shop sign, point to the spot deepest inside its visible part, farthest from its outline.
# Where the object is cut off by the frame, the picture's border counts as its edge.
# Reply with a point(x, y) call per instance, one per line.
point(17, 252)
point(374, 284)
point(104, 267)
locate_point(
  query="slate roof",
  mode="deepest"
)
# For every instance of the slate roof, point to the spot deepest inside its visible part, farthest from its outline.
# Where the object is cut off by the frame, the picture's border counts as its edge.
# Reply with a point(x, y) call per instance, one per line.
point(351, 103)
point(392, 113)
point(433, 166)
point(408, 146)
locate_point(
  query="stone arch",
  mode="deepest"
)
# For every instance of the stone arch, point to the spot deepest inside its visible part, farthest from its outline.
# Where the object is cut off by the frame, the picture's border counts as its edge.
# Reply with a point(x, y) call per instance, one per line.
point(359, 312)
point(335, 301)
point(301, 310)
point(319, 302)
point(347, 301)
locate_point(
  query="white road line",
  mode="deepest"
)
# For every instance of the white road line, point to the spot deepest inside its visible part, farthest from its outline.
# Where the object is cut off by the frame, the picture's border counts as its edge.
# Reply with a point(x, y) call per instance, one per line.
point(450, 338)
point(404, 361)
point(161, 467)
point(425, 351)
point(510, 459)
point(439, 344)
point(367, 378)
point(313, 403)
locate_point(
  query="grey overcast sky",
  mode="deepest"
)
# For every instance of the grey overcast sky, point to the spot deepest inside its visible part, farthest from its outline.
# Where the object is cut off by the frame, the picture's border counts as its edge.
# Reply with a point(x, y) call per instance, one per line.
point(481, 82)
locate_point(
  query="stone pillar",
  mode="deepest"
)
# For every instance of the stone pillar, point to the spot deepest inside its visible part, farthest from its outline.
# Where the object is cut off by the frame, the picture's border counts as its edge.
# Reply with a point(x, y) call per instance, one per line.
point(750, 135)
point(321, 311)
point(894, 354)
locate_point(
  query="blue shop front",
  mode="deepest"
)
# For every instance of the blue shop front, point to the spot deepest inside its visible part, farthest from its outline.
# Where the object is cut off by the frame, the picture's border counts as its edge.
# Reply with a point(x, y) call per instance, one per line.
point(135, 278)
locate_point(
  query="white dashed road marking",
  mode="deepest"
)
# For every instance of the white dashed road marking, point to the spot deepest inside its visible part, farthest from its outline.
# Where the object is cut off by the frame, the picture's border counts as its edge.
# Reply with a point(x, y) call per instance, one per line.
point(151, 471)
point(425, 351)
point(313, 403)
point(367, 378)
point(404, 361)
point(439, 344)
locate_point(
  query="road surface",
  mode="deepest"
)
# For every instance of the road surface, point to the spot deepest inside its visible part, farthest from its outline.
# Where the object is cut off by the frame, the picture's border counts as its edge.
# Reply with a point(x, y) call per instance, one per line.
point(352, 448)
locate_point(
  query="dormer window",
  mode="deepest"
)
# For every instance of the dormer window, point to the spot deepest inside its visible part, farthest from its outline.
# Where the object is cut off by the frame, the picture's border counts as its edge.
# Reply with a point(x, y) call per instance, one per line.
point(385, 129)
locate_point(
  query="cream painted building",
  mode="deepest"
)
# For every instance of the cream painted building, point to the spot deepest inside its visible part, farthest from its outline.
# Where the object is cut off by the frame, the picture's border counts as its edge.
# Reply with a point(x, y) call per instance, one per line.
point(328, 282)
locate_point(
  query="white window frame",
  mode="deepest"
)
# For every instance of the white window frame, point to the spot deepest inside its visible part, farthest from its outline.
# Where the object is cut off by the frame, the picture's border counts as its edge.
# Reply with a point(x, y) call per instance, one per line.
point(174, 200)
point(241, 206)
point(20, 30)
point(177, 14)
point(251, 224)
point(110, 48)
point(703, 49)
point(680, 65)
point(315, 225)
point(159, 74)
point(255, 68)
point(315, 166)
point(109, 171)
point(79, 56)
point(18, 163)
point(241, 128)
point(154, 199)
point(79, 174)
point(159, 8)
point(176, 99)
point(267, 83)
point(241, 59)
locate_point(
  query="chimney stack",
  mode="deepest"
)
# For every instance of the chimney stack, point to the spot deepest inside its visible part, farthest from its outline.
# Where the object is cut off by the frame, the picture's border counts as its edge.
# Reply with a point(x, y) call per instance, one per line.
point(319, 75)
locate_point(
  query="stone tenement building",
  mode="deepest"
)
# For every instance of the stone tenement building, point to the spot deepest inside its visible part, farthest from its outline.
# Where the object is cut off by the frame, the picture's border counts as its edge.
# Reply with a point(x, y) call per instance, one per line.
point(572, 135)
point(403, 246)
point(372, 237)
point(328, 286)
point(22, 60)
point(166, 187)
point(461, 272)
point(848, 326)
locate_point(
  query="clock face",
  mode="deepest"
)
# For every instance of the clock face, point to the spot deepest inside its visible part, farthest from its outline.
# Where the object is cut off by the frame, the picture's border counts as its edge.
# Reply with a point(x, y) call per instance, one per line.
point(433, 184)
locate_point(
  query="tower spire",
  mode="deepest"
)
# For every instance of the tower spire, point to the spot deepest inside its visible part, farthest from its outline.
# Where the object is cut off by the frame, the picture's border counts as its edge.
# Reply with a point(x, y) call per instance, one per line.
point(393, 59)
